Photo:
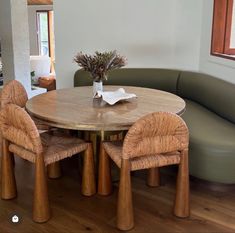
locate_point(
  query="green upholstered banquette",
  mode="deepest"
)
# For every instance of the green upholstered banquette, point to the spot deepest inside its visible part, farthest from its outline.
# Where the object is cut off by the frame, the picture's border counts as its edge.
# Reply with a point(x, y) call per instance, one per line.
point(210, 114)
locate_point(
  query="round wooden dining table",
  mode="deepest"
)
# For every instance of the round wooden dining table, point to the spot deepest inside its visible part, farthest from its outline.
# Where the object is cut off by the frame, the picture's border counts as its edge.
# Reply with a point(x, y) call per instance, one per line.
point(75, 108)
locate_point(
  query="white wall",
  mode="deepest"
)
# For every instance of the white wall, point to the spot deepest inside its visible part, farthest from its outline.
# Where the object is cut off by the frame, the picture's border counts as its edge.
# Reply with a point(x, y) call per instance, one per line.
point(33, 26)
point(219, 67)
point(153, 33)
point(187, 30)
point(14, 36)
point(6, 39)
point(15, 42)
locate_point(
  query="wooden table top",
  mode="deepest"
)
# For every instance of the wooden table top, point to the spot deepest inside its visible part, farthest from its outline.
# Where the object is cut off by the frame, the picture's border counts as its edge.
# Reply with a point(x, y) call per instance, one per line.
point(75, 108)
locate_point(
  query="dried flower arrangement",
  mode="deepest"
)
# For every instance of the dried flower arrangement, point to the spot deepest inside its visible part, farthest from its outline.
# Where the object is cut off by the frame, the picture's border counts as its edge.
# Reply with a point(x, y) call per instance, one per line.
point(100, 63)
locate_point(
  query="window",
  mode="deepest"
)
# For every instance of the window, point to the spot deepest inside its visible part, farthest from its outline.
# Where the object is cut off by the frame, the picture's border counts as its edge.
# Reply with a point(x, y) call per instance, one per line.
point(223, 29)
point(46, 40)
point(43, 33)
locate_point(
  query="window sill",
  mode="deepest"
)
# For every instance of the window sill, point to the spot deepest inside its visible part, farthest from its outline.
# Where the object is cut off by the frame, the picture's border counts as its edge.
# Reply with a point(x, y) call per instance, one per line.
point(221, 61)
point(226, 56)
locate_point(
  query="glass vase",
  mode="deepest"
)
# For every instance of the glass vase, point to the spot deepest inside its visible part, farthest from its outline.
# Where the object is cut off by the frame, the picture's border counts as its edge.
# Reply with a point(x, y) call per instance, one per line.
point(97, 86)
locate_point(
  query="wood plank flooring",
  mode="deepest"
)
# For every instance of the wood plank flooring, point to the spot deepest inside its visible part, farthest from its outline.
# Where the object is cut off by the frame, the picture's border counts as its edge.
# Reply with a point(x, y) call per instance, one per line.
point(211, 211)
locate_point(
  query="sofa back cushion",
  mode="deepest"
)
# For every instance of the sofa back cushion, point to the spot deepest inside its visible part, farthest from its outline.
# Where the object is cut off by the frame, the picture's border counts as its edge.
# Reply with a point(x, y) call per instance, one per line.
point(162, 79)
point(215, 94)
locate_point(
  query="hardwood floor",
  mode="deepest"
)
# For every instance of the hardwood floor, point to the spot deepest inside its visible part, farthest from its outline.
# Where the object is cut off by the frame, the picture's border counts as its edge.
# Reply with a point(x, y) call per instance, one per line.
point(211, 211)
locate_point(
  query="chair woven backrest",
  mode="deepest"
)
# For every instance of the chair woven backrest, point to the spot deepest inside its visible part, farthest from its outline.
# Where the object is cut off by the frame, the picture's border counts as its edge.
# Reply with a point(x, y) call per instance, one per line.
point(18, 128)
point(156, 133)
point(14, 93)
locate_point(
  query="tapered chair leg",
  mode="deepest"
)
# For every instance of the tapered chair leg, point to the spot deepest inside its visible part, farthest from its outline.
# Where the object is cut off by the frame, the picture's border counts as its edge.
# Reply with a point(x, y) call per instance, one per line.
point(181, 207)
point(153, 177)
point(104, 176)
point(125, 218)
point(54, 170)
point(8, 183)
point(41, 208)
point(88, 176)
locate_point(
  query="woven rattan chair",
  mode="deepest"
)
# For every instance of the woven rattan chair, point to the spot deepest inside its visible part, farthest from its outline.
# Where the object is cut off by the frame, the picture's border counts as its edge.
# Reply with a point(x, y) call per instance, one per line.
point(156, 140)
point(14, 93)
point(21, 137)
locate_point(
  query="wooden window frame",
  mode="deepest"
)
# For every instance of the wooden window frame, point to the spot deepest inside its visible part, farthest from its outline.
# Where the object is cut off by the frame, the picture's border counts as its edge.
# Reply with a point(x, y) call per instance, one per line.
point(221, 29)
point(227, 49)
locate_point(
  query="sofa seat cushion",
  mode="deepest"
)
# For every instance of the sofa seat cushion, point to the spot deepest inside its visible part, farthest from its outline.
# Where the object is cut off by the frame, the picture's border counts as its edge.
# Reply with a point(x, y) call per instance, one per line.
point(212, 144)
point(215, 94)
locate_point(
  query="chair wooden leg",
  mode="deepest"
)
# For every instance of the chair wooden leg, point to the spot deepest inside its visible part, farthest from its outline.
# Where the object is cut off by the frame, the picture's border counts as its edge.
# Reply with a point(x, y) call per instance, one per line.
point(153, 177)
point(104, 176)
point(125, 218)
point(182, 207)
point(54, 170)
point(8, 183)
point(41, 208)
point(88, 176)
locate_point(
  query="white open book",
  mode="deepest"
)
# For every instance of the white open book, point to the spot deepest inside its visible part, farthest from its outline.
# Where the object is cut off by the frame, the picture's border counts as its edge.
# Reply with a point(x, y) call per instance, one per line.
point(112, 97)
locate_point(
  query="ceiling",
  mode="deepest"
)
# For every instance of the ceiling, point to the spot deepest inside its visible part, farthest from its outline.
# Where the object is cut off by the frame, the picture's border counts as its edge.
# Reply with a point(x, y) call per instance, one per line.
point(40, 2)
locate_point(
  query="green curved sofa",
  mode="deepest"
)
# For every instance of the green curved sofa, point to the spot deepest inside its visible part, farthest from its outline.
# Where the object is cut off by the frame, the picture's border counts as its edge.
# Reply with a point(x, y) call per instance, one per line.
point(210, 114)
